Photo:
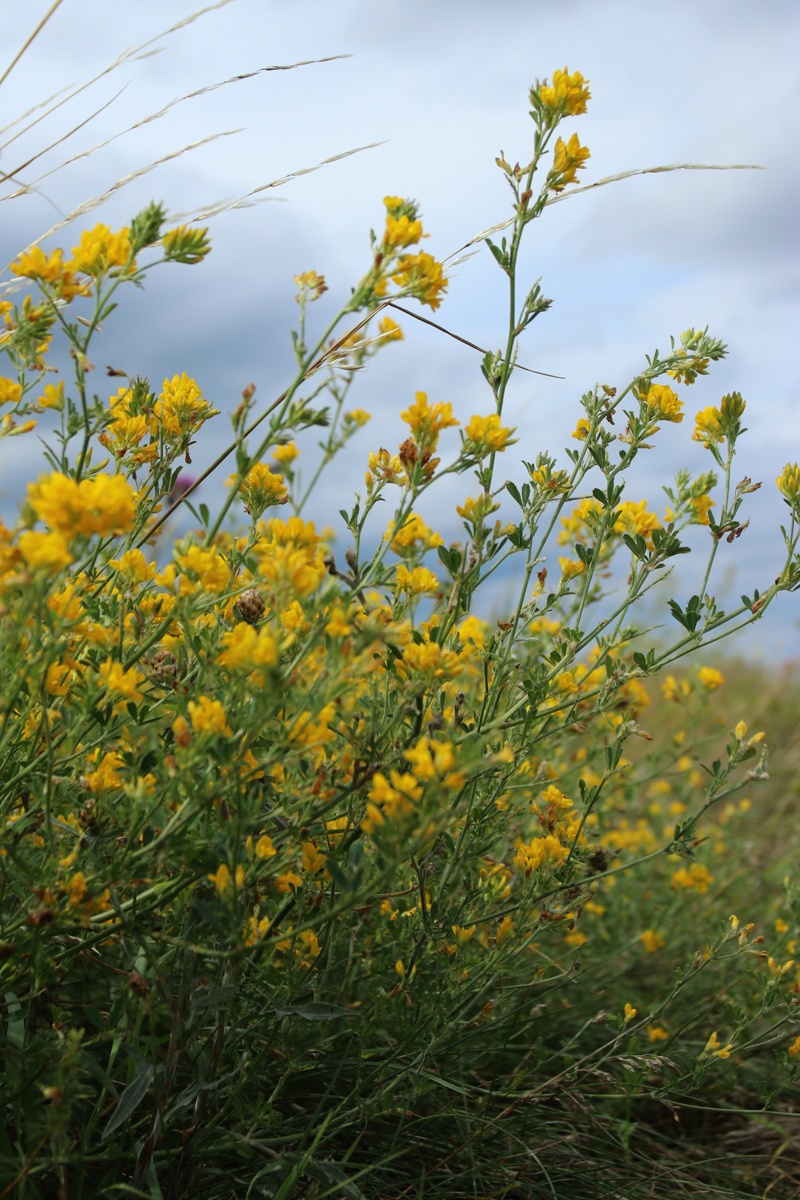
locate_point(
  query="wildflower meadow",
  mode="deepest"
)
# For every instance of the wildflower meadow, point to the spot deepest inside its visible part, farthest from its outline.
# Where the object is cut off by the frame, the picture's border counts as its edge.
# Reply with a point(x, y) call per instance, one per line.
point(319, 876)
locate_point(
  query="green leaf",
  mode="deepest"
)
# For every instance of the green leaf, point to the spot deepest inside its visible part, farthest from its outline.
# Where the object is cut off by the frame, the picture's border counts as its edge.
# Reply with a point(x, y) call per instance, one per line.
point(15, 1030)
point(131, 1098)
point(316, 1011)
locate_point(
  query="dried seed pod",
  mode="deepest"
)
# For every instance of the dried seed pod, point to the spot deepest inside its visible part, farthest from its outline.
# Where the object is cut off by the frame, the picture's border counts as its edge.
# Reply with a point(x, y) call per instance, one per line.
point(250, 606)
point(164, 668)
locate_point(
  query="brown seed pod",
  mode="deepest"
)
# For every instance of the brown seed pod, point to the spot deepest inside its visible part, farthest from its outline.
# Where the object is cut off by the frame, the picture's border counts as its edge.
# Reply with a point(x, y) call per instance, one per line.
point(250, 606)
point(164, 668)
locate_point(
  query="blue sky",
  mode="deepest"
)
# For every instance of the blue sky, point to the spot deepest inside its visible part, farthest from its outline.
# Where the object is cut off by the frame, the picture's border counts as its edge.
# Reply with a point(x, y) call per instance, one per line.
point(444, 88)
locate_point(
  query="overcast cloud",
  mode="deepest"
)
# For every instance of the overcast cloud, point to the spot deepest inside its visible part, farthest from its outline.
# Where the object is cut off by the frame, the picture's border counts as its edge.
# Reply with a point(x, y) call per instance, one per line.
point(444, 87)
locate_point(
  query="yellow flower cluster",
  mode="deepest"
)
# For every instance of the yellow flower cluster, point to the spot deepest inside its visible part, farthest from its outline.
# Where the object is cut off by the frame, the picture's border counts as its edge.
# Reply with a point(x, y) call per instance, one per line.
point(485, 435)
point(181, 408)
point(567, 93)
point(561, 824)
point(422, 277)
point(403, 226)
point(789, 482)
point(569, 158)
point(416, 582)
point(714, 425)
point(696, 878)
point(99, 504)
point(413, 537)
point(260, 488)
point(395, 798)
point(662, 402)
point(100, 251)
point(289, 556)
point(426, 421)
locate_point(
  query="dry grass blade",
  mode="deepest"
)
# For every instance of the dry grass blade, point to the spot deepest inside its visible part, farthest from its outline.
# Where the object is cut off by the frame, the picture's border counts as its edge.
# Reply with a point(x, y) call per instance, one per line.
point(589, 187)
point(155, 116)
point(242, 201)
point(457, 337)
point(126, 56)
point(24, 188)
point(34, 108)
point(28, 42)
point(123, 181)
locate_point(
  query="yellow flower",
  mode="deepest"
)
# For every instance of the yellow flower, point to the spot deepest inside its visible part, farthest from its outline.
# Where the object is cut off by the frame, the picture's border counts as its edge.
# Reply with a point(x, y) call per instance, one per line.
point(313, 860)
point(571, 567)
point(710, 678)
point(713, 425)
point(416, 581)
point(412, 537)
point(245, 648)
point(673, 690)
point(473, 629)
point(119, 681)
point(421, 276)
point(10, 391)
point(260, 488)
point(485, 435)
point(389, 330)
point(695, 878)
point(427, 421)
point(311, 286)
point(264, 847)
point(208, 716)
point(663, 403)
point(568, 93)
point(789, 482)
point(707, 427)
point(337, 626)
point(106, 776)
point(401, 231)
point(221, 879)
point(569, 158)
point(181, 407)
point(429, 660)
point(652, 941)
point(100, 250)
point(778, 971)
point(656, 1033)
point(463, 934)
point(212, 572)
point(47, 550)
point(286, 454)
point(431, 759)
point(794, 1049)
point(101, 504)
point(76, 888)
point(35, 264)
point(581, 430)
point(700, 506)
point(288, 880)
point(632, 517)
point(630, 1013)
point(714, 1047)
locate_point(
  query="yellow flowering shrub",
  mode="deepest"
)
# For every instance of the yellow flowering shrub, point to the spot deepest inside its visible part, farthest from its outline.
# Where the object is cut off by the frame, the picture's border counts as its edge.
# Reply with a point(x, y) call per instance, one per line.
point(300, 841)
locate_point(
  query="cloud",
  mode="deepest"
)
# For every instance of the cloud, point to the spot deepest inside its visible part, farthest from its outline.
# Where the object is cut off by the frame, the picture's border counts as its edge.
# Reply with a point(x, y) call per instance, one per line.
point(627, 265)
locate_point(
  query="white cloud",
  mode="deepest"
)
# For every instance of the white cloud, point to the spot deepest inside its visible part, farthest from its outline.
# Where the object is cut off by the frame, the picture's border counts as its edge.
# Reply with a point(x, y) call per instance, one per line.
point(626, 265)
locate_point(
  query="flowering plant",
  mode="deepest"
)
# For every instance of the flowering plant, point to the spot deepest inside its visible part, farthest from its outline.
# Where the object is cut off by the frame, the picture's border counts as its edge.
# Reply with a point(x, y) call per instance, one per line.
point(304, 864)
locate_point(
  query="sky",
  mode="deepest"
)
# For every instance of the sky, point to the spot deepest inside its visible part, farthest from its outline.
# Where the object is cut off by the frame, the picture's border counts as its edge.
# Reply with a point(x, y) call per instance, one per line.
point(441, 89)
